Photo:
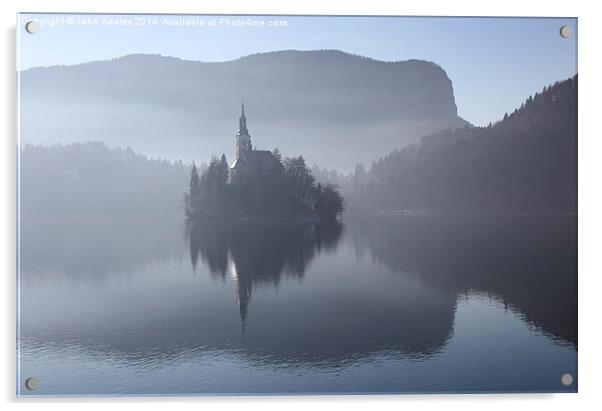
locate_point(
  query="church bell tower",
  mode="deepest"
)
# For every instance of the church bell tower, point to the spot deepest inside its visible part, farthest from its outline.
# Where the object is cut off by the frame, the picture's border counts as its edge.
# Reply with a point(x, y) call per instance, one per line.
point(243, 139)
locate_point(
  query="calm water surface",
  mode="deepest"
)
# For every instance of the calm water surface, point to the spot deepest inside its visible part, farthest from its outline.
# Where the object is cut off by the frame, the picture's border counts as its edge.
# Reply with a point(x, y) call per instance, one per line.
point(373, 304)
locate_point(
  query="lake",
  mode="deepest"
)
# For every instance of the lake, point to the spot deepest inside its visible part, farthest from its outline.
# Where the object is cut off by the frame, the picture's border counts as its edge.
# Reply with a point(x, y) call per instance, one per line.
point(149, 305)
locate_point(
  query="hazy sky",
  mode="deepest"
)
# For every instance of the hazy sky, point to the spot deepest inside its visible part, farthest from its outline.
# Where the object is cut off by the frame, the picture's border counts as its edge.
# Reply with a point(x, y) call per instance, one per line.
point(494, 63)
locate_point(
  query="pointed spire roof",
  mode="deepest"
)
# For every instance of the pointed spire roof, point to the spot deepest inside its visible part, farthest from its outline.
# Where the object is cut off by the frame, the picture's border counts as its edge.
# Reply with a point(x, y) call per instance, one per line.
point(242, 122)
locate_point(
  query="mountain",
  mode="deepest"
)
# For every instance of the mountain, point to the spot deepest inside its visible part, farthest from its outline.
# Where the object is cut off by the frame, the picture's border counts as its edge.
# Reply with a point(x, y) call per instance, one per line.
point(335, 108)
point(526, 162)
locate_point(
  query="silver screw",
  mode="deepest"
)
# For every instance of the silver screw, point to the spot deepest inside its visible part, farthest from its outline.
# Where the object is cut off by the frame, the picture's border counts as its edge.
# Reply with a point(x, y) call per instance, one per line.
point(31, 383)
point(32, 27)
point(566, 31)
point(566, 379)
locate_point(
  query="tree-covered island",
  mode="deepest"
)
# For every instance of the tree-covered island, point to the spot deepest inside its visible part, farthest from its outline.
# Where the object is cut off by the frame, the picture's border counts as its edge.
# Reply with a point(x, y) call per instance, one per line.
point(260, 184)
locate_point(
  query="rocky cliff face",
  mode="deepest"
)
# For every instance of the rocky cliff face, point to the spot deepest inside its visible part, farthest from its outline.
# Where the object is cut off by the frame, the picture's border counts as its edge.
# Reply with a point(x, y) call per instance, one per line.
point(336, 109)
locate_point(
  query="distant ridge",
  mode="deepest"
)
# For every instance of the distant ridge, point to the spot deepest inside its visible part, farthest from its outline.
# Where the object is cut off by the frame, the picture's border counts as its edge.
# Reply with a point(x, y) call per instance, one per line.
point(287, 52)
point(335, 108)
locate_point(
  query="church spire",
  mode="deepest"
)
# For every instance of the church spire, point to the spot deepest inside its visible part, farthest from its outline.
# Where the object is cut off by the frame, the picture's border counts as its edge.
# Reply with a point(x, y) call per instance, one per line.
point(243, 139)
point(242, 122)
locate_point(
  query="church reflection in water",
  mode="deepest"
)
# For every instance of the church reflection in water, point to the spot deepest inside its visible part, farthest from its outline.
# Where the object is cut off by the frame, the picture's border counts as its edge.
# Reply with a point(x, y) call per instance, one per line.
point(373, 286)
point(528, 262)
point(259, 253)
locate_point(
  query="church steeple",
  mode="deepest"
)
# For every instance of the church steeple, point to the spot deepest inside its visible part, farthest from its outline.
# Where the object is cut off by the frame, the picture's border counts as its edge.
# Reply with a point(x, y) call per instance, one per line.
point(243, 139)
point(242, 121)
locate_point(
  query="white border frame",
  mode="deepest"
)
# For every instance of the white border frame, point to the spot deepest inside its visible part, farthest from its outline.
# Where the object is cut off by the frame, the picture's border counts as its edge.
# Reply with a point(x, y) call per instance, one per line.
point(590, 195)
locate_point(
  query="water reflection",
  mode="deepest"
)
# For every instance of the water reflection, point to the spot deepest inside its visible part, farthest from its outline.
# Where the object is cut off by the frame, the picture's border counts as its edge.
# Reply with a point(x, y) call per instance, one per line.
point(259, 253)
point(529, 261)
point(92, 249)
point(275, 296)
point(351, 310)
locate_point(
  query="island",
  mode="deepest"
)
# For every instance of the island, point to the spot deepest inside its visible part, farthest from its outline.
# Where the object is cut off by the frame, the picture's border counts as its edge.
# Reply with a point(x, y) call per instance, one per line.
point(259, 184)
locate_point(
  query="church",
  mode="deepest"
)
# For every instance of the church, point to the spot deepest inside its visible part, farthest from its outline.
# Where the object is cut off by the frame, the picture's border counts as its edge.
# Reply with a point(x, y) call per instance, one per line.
point(249, 162)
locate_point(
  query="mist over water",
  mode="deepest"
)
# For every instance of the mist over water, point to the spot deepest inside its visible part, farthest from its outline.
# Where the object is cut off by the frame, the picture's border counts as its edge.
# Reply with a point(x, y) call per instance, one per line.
point(383, 304)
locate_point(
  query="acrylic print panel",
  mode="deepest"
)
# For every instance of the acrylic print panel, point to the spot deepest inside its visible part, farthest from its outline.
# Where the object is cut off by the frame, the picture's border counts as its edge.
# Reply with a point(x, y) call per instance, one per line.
point(296, 204)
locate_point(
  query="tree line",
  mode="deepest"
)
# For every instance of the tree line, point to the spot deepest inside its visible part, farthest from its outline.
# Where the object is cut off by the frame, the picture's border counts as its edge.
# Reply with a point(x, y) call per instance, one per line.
point(91, 178)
